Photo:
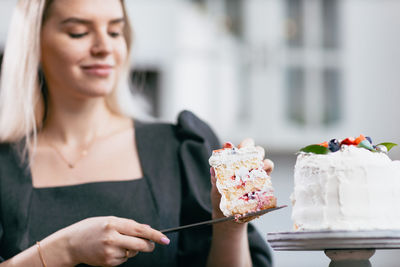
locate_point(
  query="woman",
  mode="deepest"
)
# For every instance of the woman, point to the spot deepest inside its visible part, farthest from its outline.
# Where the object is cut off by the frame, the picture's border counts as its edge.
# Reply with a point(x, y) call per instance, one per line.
point(81, 182)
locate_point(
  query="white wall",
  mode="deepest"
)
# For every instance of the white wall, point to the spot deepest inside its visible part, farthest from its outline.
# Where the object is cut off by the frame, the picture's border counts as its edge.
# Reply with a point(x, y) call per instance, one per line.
point(6, 6)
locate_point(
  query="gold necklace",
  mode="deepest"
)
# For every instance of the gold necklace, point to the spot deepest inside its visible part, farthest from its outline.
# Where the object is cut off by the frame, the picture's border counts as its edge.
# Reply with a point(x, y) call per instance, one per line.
point(84, 151)
point(82, 154)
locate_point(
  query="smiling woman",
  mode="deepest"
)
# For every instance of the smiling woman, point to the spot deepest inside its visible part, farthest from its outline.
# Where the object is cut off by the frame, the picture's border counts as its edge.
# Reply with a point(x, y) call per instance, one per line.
point(89, 184)
point(90, 51)
point(24, 47)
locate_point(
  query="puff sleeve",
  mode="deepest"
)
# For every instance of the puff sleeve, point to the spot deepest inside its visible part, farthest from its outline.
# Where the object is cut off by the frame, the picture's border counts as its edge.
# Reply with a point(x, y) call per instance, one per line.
point(197, 141)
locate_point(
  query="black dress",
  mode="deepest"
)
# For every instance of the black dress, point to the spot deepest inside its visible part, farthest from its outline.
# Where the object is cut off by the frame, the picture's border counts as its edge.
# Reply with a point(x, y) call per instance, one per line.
point(174, 191)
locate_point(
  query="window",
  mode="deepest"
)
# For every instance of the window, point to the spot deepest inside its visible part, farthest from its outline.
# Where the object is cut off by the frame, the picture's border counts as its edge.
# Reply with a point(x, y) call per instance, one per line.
point(312, 63)
point(294, 23)
point(331, 103)
point(296, 94)
point(330, 24)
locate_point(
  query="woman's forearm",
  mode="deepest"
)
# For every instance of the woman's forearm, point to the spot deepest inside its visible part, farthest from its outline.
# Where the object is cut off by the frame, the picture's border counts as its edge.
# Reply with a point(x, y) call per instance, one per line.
point(53, 249)
point(28, 257)
point(229, 246)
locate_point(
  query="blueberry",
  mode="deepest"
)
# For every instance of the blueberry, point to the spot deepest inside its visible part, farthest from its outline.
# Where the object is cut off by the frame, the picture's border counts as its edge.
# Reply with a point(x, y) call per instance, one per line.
point(369, 139)
point(334, 145)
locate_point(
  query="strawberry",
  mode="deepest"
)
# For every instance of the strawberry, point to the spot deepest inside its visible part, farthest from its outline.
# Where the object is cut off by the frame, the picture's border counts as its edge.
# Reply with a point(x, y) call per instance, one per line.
point(228, 145)
point(245, 197)
point(350, 141)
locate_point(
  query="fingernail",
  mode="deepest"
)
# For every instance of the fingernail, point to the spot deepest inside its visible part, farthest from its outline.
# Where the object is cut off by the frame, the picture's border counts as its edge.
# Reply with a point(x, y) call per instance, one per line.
point(212, 172)
point(165, 240)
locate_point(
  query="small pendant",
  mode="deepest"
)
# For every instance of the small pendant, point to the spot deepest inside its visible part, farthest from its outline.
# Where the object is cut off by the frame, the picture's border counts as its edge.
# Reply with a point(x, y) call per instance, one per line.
point(70, 165)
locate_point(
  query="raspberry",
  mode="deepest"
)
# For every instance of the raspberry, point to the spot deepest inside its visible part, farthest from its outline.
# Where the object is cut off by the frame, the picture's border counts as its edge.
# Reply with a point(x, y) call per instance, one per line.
point(228, 145)
point(348, 141)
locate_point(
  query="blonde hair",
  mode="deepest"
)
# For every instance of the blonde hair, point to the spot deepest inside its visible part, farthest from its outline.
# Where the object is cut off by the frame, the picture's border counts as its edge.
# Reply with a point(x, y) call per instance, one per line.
point(22, 102)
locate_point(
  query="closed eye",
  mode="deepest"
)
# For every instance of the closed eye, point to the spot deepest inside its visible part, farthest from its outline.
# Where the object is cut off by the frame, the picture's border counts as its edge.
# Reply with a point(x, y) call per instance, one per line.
point(114, 34)
point(77, 35)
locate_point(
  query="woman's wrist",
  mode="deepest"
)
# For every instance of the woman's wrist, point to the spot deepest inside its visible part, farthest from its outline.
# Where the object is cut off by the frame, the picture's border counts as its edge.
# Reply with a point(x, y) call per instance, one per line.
point(230, 229)
point(229, 237)
point(56, 250)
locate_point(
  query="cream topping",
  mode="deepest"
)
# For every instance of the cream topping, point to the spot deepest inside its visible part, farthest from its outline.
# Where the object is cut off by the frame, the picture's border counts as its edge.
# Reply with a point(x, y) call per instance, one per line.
point(230, 156)
point(351, 189)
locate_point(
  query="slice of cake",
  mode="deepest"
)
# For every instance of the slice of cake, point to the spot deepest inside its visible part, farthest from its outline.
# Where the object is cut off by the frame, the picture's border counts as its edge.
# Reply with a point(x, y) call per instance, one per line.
point(347, 184)
point(240, 178)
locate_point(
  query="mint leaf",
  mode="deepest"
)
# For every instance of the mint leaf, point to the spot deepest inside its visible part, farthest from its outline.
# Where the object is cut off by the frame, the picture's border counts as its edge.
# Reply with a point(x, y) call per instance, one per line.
point(316, 149)
point(387, 145)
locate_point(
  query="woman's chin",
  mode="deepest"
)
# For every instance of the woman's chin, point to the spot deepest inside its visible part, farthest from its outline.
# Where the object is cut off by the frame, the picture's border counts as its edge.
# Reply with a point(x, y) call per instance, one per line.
point(96, 90)
point(95, 93)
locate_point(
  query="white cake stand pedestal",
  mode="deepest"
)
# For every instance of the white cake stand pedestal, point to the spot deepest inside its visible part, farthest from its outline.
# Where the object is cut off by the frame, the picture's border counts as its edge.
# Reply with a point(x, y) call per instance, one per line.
point(344, 248)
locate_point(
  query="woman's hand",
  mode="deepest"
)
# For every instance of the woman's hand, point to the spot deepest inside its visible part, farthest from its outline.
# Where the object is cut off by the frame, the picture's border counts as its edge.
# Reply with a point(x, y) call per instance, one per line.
point(216, 196)
point(110, 241)
point(230, 236)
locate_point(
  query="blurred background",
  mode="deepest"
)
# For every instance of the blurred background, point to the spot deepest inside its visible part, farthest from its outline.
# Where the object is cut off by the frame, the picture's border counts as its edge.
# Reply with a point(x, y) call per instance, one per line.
point(287, 73)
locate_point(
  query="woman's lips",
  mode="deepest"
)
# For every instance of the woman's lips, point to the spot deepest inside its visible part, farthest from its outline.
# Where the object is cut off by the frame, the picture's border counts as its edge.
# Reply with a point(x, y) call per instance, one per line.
point(98, 70)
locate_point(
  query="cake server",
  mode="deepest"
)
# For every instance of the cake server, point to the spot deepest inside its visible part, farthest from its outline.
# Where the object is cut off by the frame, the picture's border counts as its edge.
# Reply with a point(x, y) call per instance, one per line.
point(219, 220)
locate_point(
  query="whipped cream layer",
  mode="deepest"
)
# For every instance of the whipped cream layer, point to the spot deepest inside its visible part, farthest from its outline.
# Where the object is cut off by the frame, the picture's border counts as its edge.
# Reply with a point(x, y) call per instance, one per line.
point(351, 189)
point(230, 156)
point(243, 183)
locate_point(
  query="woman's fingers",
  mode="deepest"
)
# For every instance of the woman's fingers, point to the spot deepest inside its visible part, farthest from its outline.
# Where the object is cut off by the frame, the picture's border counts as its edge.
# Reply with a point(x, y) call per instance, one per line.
point(135, 244)
point(109, 241)
point(130, 253)
point(268, 166)
point(212, 174)
point(131, 228)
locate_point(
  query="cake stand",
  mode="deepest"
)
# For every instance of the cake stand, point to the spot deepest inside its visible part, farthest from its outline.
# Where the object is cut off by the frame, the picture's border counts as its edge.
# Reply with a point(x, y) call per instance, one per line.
point(344, 248)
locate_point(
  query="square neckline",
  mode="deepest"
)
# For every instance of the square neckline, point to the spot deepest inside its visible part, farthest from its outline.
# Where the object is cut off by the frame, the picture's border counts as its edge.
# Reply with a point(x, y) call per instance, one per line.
point(28, 171)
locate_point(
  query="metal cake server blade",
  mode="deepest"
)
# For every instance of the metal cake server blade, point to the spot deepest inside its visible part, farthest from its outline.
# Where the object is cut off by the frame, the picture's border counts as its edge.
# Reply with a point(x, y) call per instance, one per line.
point(230, 218)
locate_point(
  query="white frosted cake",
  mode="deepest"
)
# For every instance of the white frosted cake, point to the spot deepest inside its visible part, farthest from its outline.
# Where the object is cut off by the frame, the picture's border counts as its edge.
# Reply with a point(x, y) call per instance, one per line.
point(240, 178)
point(354, 187)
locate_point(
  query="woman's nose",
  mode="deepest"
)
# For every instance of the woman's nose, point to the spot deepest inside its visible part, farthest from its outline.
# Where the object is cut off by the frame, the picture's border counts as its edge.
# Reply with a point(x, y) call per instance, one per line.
point(101, 44)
